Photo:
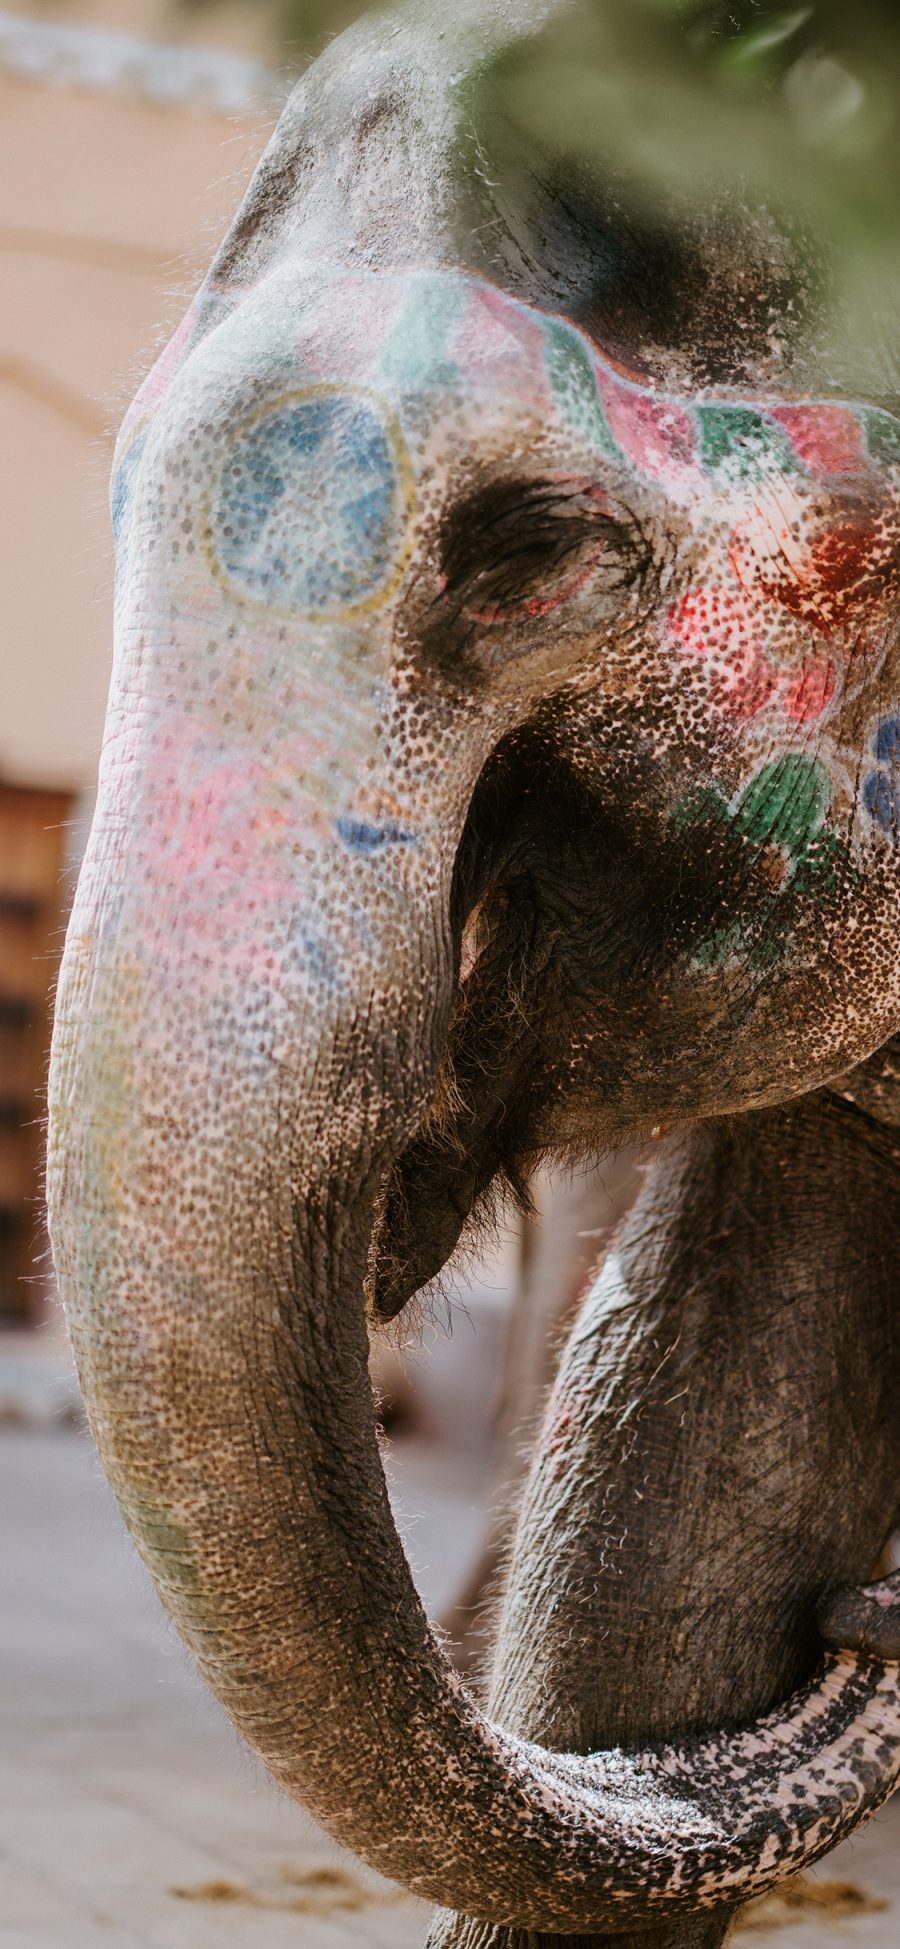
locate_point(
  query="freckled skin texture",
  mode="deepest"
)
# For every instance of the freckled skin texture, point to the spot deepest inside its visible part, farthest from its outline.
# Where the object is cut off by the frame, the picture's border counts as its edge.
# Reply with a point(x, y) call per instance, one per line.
point(501, 762)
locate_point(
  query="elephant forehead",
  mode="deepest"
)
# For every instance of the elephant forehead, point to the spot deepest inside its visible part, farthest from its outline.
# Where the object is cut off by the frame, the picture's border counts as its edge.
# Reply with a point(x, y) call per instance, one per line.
point(440, 338)
point(307, 449)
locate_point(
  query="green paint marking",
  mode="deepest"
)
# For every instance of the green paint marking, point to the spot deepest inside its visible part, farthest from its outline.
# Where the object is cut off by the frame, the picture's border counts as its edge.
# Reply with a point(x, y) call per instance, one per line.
point(882, 434)
point(706, 802)
point(824, 869)
point(721, 946)
point(416, 352)
point(573, 382)
point(785, 803)
point(166, 1547)
point(761, 938)
point(741, 442)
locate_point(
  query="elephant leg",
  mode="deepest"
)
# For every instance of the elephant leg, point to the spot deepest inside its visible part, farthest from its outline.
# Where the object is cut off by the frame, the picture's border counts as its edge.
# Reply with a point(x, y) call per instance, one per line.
point(574, 1218)
point(720, 1454)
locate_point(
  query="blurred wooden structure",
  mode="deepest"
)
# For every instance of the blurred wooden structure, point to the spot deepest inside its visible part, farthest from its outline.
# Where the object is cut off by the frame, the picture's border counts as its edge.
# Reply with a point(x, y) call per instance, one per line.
point(32, 845)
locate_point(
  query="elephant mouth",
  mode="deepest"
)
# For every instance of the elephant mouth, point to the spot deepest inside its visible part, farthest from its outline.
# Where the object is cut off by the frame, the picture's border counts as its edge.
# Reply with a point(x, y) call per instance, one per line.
point(588, 1010)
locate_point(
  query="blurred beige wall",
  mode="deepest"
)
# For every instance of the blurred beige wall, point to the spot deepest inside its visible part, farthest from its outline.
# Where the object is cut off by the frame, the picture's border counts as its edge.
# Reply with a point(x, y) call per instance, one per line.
point(110, 207)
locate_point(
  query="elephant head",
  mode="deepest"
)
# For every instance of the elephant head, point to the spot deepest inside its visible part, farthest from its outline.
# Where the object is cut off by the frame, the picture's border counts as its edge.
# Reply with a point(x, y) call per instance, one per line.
point(498, 764)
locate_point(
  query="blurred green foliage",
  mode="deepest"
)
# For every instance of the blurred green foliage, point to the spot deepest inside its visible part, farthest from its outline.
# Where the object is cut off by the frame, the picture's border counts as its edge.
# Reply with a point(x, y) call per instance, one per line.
point(796, 100)
point(794, 108)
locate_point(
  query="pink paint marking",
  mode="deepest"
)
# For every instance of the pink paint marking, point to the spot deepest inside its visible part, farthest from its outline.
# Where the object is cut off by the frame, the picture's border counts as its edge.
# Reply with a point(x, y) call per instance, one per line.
point(655, 435)
point(218, 851)
point(206, 830)
point(828, 439)
point(170, 360)
point(730, 630)
point(343, 334)
point(499, 345)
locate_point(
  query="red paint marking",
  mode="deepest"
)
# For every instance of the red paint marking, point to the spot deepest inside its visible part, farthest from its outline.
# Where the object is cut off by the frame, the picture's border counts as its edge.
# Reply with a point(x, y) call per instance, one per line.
point(810, 692)
point(728, 629)
point(722, 627)
point(537, 606)
point(849, 559)
point(820, 579)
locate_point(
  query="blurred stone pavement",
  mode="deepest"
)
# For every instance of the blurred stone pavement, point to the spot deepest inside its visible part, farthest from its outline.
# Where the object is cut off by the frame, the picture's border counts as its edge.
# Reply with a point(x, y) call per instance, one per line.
point(129, 1812)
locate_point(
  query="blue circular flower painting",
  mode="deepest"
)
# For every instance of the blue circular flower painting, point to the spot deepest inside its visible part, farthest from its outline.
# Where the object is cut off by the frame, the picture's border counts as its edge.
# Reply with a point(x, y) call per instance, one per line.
point(310, 510)
point(881, 789)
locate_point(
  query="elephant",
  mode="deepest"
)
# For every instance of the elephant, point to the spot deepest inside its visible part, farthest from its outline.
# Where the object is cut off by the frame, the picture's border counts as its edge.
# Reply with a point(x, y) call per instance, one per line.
point(572, 1219)
point(501, 766)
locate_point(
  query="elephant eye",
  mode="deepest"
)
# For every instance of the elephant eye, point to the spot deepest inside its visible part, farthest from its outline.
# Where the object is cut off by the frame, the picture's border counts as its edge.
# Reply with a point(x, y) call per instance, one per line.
point(518, 549)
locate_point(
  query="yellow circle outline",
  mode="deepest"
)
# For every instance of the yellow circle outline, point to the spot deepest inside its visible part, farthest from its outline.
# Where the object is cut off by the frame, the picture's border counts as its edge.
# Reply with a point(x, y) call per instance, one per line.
point(405, 478)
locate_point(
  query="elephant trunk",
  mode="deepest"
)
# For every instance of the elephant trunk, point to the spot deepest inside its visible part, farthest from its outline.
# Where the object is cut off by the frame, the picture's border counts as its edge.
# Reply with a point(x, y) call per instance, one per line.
point(738, 1350)
point(248, 1031)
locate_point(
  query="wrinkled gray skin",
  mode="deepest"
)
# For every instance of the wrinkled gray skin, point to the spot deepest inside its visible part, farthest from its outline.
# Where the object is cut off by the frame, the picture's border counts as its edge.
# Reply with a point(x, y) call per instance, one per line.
point(380, 905)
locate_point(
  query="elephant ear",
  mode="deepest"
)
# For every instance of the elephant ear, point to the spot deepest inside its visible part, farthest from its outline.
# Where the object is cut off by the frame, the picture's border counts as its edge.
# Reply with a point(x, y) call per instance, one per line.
point(874, 1085)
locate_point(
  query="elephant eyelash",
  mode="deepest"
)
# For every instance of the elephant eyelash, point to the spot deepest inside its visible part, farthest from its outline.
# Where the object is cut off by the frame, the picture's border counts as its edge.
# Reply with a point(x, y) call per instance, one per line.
point(518, 549)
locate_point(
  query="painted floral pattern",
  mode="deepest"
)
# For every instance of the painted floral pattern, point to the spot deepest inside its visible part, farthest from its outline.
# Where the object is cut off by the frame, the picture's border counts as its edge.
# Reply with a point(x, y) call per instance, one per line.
point(881, 788)
point(781, 813)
